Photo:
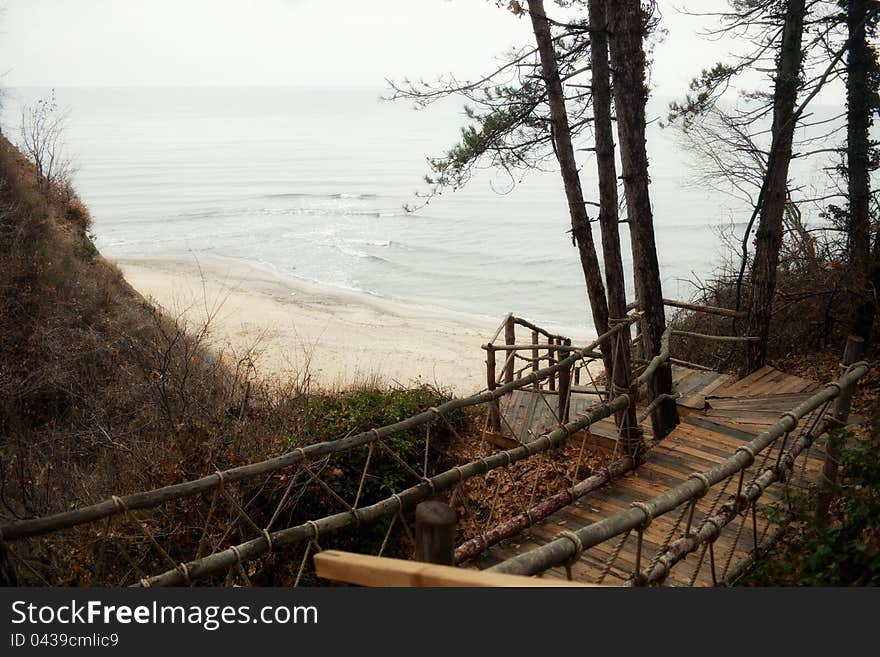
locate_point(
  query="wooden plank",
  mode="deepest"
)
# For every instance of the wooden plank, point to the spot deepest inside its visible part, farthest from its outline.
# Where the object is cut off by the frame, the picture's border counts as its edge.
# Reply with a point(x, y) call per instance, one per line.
point(366, 570)
point(727, 414)
point(735, 388)
point(720, 429)
point(790, 400)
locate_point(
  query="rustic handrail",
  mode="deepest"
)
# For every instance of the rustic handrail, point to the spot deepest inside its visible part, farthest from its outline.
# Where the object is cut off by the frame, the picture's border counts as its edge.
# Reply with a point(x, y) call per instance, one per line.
point(695, 307)
point(152, 498)
point(529, 325)
point(716, 338)
point(313, 529)
point(531, 346)
point(562, 549)
point(711, 528)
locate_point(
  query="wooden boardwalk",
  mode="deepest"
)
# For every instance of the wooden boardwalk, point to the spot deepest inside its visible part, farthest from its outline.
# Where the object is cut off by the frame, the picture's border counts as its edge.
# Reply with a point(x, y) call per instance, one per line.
point(718, 415)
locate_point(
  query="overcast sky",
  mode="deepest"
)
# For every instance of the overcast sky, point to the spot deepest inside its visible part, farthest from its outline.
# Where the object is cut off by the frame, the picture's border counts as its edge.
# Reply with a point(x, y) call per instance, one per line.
point(286, 42)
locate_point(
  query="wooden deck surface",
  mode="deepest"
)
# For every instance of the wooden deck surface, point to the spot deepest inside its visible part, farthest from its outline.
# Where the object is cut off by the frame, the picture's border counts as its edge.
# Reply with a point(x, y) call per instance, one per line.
point(719, 414)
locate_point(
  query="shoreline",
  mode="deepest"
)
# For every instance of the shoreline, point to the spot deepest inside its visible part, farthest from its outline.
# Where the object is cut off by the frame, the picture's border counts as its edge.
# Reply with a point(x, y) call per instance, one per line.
point(339, 337)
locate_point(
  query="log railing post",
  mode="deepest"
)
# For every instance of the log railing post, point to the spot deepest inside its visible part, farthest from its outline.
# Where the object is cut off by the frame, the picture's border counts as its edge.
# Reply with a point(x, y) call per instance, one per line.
point(435, 533)
point(564, 388)
point(509, 339)
point(494, 407)
point(855, 348)
point(536, 365)
point(551, 352)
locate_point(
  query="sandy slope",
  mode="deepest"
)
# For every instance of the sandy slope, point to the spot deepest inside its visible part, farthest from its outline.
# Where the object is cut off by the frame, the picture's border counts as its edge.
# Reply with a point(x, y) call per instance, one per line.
point(343, 336)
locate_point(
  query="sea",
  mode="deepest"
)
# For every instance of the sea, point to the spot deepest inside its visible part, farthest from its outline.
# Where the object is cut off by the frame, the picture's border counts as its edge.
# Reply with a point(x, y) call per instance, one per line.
point(314, 184)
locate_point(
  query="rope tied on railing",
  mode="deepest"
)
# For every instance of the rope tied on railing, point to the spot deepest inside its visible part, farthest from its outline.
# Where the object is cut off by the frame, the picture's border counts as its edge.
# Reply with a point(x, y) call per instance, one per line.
point(748, 450)
point(268, 538)
point(703, 479)
point(850, 368)
point(649, 517)
point(794, 418)
point(578, 550)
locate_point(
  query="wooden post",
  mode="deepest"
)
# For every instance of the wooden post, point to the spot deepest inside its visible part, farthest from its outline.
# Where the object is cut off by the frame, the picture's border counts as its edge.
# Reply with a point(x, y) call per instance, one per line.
point(435, 533)
point(665, 417)
point(564, 388)
point(536, 365)
point(494, 408)
point(551, 381)
point(509, 339)
point(855, 347)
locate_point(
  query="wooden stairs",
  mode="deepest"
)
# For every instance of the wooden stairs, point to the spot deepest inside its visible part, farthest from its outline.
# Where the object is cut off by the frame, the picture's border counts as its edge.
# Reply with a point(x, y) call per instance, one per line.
point(718, 415)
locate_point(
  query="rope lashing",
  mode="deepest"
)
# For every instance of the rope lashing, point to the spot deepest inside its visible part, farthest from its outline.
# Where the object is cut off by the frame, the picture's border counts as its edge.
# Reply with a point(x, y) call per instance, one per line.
point(317, 530)
point(576, 541)
point(794, 418)
point(712, 521)
point(649, 517)
point(578, 550)
point(620, 390)
point(748, 450)
point(183, 570)
point(268, 538)
point(644, 508)
point(221, 478)
point(703, 479)
point(850, 368)
point(119, 504)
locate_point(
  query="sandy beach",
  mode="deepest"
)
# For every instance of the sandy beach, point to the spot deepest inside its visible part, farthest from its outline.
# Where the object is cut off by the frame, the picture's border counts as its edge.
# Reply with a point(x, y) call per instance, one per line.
point(341, 337)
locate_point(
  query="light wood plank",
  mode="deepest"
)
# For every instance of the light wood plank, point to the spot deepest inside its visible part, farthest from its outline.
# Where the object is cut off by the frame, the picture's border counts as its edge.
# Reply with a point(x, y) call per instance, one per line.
point(366, 570)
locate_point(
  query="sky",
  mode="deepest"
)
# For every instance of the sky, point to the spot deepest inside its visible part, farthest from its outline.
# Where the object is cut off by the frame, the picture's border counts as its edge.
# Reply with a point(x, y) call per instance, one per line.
point(308, 43)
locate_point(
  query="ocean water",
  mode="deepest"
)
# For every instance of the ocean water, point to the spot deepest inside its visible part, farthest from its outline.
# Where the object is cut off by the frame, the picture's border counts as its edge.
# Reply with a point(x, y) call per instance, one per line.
point(311, 184)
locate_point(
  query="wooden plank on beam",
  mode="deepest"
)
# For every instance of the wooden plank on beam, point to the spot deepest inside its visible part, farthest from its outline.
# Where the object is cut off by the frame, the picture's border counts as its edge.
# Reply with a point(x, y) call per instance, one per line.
point(366, 570)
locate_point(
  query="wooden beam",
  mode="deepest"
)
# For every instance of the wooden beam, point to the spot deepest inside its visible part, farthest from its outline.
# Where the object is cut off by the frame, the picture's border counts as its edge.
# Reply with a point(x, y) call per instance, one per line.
point(365, 570)
point(527, 324)
point(717, 338)
point(696, 307)
point(699, 308)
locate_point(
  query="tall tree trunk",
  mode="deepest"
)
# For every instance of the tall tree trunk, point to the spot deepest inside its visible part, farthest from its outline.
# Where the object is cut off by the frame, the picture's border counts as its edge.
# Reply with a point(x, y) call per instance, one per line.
point(627, 32)
point(580, 223)
point(769, 237)
point(858, 100)
point(627, 422)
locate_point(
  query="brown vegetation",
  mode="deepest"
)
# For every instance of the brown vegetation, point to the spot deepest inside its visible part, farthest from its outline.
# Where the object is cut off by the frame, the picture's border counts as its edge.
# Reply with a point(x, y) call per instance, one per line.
point(811, 312)
point(102, 394)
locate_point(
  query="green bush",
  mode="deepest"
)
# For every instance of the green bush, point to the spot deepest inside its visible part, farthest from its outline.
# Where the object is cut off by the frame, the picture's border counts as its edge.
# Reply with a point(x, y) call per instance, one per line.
point(847, 553)
point(334, 415)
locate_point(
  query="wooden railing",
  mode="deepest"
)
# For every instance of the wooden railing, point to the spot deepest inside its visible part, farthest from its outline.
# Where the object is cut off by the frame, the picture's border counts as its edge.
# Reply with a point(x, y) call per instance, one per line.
point(569, 545)
point(543, 346)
